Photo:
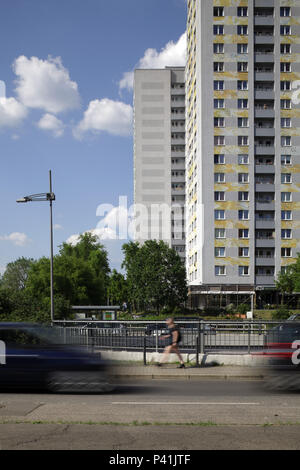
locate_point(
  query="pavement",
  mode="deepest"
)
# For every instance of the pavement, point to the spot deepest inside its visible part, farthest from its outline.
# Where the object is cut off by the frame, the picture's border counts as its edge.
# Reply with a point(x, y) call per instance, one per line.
point(155, 415)
point(171, 371)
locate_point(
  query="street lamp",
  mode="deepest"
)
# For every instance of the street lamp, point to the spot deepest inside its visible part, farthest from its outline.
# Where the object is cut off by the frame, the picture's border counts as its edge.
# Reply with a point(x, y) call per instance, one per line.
point(46, 197)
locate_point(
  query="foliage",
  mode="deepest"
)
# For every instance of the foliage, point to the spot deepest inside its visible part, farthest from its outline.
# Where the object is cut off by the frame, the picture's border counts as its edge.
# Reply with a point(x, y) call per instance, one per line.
point(155, 274)
point(81, 276)
point(281, 314)
point(117, 292)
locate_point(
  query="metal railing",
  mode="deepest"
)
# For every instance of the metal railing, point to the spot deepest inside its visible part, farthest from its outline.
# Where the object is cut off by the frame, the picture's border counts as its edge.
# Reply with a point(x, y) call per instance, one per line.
point(197, 336)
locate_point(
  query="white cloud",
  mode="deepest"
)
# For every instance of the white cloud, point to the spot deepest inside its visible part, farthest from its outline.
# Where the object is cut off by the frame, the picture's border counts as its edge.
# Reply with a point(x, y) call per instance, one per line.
point(51, 123)
point(12, 113)
point(106, 115)
point(173, 54)
point(57, 227)
point(2, 270)
point(17, 238)
point(45, 84)
point(105, 233)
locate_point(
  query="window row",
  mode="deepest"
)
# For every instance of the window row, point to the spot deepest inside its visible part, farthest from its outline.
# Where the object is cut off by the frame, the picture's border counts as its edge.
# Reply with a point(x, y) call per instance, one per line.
point(244, 252)
point(243, 141)
point(243, 12)
point(285, 215)
point(286, 234)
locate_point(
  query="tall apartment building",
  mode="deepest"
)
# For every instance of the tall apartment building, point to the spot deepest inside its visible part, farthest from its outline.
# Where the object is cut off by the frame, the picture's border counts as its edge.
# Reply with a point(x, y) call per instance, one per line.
point(242, 142)
point(159, 156)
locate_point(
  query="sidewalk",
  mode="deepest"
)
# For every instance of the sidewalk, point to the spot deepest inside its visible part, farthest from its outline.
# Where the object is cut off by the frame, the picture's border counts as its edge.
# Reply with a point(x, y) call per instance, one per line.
point(171, 371)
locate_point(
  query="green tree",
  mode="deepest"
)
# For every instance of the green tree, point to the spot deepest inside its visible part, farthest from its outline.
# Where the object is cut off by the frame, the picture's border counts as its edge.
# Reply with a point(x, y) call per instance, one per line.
point(155, 275)
point(80, 274)
point(117, 290)
point(16, 274)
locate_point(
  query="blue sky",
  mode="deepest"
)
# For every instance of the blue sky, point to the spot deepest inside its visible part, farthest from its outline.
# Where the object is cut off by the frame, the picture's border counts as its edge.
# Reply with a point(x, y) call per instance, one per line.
point(68, 107)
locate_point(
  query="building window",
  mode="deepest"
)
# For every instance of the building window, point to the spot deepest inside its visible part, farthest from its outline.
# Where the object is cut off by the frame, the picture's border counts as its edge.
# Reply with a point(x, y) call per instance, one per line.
point(242, 30)
point(218, 11)
point(286, 197)
point(218, 48)
point(286, 160)
point(285, 67)
point(285, 48)
point(220, 233)
point(286, 141)
point(243, 215)
point(286, 233)
point(242, 85)
point(219, 196)
point(242, 104)
point(285, 104)
point(219, 159)
point(243, 159)
point(286, 215)
point(242, 66)
point(218, 85)
point(220, 252)
point(285, 30)
point(286, 252)
point(220, 270)
point(219, 215)
point(243, 177)
point(218, 29)
point(242, 48)
point(219, 122)
point(286, 178)
point(243, 270)
point(244, 252)
point(219, 104)
point(243, 196)
point(244, 233)
point(218, 66)
point(219, 177)
point(285, 85)
point(219, 140)
point(286, 122)
point(285, 11)
point(242, 11)
point(243, 140)
point(243, 122)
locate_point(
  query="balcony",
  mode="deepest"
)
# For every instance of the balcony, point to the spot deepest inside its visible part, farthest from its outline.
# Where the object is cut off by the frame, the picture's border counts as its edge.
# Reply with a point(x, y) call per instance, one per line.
point(264, 94)
point(264, 75)
point(265, 261)
point(264, 280)
point(264, 57)
point(264, 150)
point(263, 38)
point(264, 112)
point(262, 205)
point(267, 223)
point(264, 168)
point(265, 243)
point(264, 131)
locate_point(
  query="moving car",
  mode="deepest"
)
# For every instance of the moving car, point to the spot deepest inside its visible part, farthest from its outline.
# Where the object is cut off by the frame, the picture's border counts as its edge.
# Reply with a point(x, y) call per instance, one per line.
point(283, 355)
point(36, 358)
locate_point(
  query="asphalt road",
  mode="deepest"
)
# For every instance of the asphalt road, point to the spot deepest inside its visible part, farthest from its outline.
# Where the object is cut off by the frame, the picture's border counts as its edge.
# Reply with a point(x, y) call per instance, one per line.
point(156, 414)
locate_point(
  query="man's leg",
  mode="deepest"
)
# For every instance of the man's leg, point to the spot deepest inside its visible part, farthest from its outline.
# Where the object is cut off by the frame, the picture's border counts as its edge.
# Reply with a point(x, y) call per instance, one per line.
point(176, 350)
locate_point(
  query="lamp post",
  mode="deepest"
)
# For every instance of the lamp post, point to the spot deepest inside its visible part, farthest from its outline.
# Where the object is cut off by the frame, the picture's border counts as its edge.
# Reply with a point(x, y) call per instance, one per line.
point(50, 196)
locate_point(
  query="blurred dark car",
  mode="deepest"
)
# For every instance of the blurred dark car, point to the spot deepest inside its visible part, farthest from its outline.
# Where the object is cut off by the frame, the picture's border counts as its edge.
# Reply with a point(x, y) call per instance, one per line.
point(281, 353)
point(187, 323)
point(153, 329)
point(36, 358)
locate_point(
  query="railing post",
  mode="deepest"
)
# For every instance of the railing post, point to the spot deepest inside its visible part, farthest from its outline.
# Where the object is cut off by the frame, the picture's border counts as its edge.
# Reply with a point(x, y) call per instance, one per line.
point(145, 352)
point(249, 337)
point(202, 337)
point(197, 351)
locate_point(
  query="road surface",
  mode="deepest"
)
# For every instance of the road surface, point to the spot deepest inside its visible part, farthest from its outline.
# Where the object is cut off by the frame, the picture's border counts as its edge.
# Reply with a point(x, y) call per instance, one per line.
point(156, 414)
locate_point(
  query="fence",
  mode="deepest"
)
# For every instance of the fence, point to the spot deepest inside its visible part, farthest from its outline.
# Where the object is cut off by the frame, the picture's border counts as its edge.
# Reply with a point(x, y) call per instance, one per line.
point(199, 336)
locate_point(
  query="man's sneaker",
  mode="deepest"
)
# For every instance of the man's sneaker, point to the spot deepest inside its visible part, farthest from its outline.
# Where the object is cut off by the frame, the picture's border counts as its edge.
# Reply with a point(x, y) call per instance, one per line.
point(158, 364)
point(182, 366)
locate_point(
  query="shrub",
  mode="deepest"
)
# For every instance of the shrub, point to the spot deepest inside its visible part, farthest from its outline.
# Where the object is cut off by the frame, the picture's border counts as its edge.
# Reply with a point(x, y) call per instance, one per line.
point(281, 314)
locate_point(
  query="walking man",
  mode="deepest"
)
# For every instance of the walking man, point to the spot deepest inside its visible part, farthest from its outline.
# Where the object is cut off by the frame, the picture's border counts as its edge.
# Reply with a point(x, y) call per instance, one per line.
point(174, 337)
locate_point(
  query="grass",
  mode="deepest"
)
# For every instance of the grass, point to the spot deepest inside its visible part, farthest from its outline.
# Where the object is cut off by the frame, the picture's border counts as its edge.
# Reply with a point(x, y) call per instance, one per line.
point(145, 423)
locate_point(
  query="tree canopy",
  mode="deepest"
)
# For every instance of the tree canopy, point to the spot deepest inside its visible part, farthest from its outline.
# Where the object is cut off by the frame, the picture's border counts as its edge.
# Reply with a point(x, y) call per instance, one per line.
point(155, 274)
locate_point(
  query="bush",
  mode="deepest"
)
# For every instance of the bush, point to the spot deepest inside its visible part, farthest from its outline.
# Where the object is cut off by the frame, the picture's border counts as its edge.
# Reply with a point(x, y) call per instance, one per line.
point(243, 309)
point(212, 312)
point(281, 314)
